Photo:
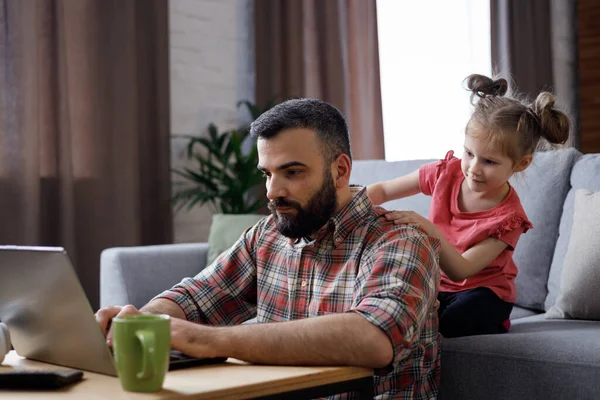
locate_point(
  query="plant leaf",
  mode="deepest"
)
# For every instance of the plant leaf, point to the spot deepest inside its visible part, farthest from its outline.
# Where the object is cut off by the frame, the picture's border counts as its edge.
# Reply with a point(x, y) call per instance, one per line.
point(224, 173)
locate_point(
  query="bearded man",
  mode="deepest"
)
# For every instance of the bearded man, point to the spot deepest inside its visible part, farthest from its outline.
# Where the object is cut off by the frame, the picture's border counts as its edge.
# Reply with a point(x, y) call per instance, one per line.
point(328, 278)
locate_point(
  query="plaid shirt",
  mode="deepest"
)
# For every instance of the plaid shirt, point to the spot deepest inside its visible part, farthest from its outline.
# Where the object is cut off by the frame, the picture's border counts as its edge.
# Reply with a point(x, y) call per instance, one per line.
point(358, 262)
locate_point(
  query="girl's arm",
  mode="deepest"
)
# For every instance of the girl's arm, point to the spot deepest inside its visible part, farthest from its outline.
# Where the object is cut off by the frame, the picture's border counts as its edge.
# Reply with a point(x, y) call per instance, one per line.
point(455, 265)
point(461, 266)
point(402, 186)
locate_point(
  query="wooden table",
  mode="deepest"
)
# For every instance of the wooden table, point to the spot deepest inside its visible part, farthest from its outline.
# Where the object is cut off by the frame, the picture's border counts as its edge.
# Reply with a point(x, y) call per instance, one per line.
point(231, 380)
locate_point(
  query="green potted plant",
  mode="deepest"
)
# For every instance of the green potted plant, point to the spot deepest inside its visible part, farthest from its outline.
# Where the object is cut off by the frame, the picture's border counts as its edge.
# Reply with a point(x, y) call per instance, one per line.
point(222, 172)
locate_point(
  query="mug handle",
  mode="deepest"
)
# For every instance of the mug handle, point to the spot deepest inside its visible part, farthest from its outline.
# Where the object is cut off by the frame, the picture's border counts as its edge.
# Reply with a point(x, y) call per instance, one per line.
point(147, 340)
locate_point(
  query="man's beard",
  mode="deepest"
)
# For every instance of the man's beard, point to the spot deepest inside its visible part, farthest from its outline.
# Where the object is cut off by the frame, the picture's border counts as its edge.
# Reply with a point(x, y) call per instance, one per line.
point(311, 218)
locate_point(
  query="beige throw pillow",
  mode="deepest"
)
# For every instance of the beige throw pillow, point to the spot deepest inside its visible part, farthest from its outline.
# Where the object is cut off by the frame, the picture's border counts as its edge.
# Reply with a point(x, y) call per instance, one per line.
point(579, 296)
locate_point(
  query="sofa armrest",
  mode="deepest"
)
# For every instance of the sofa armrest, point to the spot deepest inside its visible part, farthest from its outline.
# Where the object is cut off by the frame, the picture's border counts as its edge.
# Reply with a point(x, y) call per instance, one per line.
point(134, 275)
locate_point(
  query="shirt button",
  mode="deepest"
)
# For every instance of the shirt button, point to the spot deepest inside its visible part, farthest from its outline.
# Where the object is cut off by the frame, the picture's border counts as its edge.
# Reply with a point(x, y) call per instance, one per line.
point(303, 283)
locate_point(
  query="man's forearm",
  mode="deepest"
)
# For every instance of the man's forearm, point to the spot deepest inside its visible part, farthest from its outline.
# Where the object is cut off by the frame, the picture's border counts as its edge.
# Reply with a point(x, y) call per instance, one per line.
point(341, 339)
point(164, 306)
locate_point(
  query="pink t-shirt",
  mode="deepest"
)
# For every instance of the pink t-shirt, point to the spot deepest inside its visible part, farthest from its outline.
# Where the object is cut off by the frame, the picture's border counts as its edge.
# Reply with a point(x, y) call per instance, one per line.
point(507, 221)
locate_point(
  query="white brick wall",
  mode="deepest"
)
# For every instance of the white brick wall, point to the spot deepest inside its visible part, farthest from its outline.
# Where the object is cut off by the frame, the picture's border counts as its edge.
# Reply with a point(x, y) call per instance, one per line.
point(212, 68)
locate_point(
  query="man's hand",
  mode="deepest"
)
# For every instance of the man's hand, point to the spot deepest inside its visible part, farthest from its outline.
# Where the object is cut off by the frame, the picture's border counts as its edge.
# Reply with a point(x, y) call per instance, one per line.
point(105, 315)
point(411, 217)
point(193, 339)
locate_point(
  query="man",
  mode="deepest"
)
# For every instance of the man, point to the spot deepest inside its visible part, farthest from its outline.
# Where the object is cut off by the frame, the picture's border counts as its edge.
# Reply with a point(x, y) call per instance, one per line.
point(329, 279)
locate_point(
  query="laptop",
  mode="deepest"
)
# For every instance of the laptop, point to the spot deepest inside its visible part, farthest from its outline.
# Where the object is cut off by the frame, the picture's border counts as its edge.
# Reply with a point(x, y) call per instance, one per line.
point(49, 316)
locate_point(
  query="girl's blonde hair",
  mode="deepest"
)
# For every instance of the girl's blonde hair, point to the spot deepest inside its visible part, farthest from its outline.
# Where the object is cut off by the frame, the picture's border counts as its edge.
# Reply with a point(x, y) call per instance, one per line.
point(514, 124)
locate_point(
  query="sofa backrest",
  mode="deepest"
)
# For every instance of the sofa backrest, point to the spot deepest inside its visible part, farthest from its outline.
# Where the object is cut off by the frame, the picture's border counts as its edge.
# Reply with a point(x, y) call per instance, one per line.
point(542, 188)
point(366, 172)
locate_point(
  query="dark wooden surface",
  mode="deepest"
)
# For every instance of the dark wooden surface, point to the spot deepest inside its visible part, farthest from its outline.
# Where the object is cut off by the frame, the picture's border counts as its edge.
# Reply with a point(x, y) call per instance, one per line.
point(588, 12)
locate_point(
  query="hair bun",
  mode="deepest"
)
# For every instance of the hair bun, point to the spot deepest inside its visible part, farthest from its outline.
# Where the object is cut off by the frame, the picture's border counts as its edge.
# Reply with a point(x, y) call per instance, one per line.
point(554, 123)
point(482, 86)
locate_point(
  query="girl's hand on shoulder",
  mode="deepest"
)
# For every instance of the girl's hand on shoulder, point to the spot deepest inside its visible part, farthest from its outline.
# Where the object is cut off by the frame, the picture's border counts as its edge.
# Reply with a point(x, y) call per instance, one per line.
point(412, 218)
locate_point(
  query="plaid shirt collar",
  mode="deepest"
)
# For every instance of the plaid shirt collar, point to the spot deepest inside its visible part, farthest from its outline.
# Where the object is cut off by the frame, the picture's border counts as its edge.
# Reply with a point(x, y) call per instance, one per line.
point(345, 220)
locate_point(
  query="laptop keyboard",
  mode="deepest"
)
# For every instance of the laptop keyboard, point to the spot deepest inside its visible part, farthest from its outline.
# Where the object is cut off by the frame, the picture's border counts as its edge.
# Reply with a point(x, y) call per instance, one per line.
point(179, 360)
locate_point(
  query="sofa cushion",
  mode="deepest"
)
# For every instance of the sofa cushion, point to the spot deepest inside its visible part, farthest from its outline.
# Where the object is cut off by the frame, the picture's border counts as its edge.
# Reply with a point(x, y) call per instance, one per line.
point(538, 359)
point(366, 172)
point(542, 188)
point(135, 274)
point(580, 279)
point(520, 312)
point(585, 175)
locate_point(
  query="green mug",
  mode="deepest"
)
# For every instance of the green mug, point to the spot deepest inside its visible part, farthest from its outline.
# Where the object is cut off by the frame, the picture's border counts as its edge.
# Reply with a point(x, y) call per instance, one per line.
point(141, 348)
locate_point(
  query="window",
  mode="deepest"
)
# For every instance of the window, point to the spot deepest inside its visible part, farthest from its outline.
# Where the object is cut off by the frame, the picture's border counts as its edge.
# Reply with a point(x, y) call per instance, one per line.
point(426, 50)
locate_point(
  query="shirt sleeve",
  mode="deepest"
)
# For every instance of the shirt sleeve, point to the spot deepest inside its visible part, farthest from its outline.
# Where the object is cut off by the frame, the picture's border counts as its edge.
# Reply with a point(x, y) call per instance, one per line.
point(224, 293)
point(510, 229)
point(397, 288)
point(430, 173)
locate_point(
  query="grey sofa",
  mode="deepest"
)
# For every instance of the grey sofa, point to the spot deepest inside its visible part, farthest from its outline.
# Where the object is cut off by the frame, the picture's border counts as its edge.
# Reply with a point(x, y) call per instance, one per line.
point(538, 359)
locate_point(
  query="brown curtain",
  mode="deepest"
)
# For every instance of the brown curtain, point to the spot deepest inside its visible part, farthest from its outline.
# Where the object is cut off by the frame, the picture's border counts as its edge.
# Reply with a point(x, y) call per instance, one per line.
point(84, 127)
point(327, 50)
point(535, 43)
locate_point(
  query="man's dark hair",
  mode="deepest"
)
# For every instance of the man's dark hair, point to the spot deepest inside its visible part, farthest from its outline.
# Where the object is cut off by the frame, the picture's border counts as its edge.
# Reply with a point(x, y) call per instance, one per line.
point(322, 118)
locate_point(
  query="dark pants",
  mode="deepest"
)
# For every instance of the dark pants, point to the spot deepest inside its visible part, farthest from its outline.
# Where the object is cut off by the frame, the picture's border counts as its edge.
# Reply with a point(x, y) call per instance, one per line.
point(472, 312)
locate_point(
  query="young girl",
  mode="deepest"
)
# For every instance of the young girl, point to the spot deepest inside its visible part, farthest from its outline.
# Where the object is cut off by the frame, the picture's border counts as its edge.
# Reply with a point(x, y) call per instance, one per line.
point(475, 212)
